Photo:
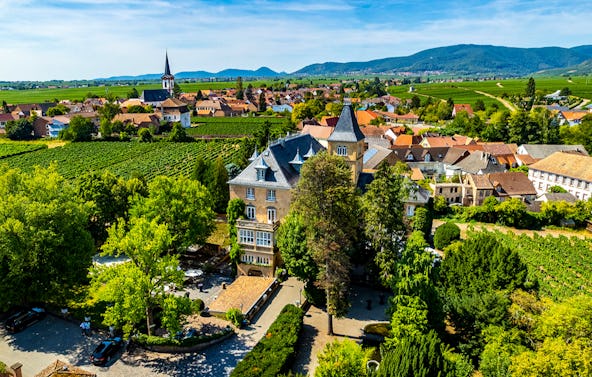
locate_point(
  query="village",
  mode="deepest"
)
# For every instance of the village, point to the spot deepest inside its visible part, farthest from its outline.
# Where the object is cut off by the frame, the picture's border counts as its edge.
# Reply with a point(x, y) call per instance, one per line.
point(380, 145)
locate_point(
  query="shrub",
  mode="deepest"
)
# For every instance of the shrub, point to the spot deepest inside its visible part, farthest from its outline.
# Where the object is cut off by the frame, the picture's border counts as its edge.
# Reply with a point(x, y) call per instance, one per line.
point(147, 341)
point(235, 316)
point(275, 351)
point(197, 305)
point(342, 358)
point(422, 221)
point(446, 234)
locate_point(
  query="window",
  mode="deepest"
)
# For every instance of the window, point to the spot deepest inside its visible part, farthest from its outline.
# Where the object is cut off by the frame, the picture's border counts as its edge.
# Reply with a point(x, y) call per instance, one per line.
point(271, 215)
point(250, 212)
point(341, 150)
point(246, 236)
point(261, 174)
point(410, 210)
point(264, 239)
point(250, 193)
point(271, 195)
point(247, 258)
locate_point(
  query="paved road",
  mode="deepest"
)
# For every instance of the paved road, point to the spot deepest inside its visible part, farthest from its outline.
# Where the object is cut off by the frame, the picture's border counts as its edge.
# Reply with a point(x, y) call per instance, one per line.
point(42, 343)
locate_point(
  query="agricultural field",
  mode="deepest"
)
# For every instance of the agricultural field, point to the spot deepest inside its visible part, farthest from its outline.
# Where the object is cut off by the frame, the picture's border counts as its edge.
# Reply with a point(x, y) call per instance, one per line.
point(466, 92)
point(125, 158)
point(561, 265)
point(8, 149)
point(233, 126)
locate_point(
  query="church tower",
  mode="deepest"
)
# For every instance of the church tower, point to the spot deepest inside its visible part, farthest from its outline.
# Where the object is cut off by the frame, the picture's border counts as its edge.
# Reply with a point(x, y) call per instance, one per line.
point(168, 80)
point(347, 141)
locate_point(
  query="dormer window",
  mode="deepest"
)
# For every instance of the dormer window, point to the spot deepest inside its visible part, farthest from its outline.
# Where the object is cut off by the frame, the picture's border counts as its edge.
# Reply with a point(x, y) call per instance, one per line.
point(427, 158)
point(260, 174)
point(409, 157)
point(261, 168)
point(341, 150)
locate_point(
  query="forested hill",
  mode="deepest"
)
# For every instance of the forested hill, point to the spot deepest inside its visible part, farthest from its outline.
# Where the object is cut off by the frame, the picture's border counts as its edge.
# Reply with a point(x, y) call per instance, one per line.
point(464, 60)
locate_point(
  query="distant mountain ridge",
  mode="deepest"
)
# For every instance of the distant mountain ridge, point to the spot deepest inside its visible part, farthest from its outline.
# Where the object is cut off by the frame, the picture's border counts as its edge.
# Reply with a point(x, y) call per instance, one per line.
point(262, 72)
point(462, 60)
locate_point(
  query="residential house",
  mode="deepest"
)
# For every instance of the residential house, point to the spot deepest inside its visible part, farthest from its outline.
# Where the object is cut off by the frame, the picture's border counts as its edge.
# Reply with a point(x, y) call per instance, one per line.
point(265, 186)
point(418, 197)
point(140, 120)
point(40, 126)
point(5, 118)
point(452, 192)
point(571, 171)
point(404, 140)
point(329, 121)
point(174, 110)
point(445, 141)
point(512, 185)
point(56, 125)
point(505, 154)
point(213, 108)
point(462, 107)
point(557, 197)
point(571, 117)
point(375, 155)
point(320, 133)
point(365, 117)
point(477, 188)
point(479, 162)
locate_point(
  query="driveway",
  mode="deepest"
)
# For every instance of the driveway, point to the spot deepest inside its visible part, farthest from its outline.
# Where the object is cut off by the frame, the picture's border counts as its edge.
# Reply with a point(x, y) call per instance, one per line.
point(53, 338)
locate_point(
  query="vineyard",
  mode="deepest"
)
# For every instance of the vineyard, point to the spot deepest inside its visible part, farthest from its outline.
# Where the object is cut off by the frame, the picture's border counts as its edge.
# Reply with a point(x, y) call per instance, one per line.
point(13, 149)
point(125, 158)
point(229, 126)
point(561, 265)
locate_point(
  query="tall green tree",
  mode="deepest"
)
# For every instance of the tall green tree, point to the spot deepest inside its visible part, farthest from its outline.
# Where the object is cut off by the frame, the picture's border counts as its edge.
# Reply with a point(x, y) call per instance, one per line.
point(240, 94)
point(530, 88)
point(80, 129)
point(292, 243)
point(326, 199)
point(45, 249)
point(20, 129)
point(383, 209)
point(218, 185)
point(136, 288)
point(182, 204)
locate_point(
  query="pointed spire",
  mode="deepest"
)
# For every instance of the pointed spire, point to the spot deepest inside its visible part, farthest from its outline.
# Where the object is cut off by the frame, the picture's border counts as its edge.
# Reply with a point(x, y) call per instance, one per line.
point(254, 155)
point(261, 164)
point(347, 128)
point(310, 152)
point(297, 161)
point(167, 69)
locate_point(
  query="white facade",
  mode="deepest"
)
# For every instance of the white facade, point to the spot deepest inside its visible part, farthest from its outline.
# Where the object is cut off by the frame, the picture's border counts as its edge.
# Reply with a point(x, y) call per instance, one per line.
point(581, 189)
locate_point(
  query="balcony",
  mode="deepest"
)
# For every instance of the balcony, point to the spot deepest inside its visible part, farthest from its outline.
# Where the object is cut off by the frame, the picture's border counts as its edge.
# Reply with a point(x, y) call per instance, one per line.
point(255, 225)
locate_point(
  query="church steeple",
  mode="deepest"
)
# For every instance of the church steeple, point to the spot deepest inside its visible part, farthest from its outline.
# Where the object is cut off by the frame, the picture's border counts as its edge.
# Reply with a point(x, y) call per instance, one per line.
point(168, 80)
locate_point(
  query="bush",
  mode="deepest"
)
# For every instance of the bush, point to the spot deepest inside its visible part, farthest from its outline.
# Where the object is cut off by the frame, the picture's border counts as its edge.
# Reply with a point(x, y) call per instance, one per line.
point(446, 234)
point(197, 305)
point(235, 316)
point(422, 221)
point(275, 351)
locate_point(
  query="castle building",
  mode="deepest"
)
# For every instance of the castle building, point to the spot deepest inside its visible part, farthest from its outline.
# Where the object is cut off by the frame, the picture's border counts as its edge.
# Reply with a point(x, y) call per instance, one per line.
point(266, 184)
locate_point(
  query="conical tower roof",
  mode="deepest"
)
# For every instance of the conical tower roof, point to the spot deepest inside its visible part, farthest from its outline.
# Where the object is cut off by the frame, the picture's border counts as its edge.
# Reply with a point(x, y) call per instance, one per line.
point(167, 68)
point(347, 128)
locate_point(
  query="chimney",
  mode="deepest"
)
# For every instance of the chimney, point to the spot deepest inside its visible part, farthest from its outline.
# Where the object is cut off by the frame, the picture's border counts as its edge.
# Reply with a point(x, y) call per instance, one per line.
point(16, 368)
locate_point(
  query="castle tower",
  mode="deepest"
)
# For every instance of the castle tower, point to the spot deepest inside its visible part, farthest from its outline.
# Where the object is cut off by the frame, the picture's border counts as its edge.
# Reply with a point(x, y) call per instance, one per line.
point(347, 141)
point(168, 80)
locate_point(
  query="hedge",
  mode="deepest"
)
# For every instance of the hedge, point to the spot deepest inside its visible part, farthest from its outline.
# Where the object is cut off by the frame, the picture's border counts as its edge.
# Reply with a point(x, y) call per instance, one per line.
point(147, 341)
point(275, 351)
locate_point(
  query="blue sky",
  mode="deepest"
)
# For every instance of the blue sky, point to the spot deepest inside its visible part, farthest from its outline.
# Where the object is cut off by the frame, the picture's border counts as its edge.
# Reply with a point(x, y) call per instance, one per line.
point(85, 39)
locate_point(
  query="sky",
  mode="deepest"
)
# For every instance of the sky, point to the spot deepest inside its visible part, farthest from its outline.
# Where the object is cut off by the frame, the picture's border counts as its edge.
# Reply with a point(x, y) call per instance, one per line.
point(88, 39)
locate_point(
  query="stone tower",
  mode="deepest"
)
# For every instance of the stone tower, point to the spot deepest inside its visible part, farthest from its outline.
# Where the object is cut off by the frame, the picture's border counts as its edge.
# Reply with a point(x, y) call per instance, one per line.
point(347, 141)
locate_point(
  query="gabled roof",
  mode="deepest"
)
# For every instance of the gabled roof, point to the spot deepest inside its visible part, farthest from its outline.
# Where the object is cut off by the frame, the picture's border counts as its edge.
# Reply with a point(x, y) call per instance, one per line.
point(419, 153)
point(566, 164)
point(557, 197)
point(512, 183)
point(277, 157)
point(540, 151)
point(347, 129)
point(173, 103)
point(407, 140)
point(318, 132)
point(454, 155)
point(479, 162)
point(61, 369)
point(154, 95)
point(374, 156)
point(481, 182)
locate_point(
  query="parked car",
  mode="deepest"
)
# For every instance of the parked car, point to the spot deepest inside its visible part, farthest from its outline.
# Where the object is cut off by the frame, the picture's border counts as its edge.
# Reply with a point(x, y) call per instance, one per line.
point(24, 318)
point(106, 350)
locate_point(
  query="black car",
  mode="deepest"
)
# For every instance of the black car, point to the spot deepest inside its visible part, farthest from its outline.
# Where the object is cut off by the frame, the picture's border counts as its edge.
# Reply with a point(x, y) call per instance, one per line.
point(105, 351)
point(24, 318)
